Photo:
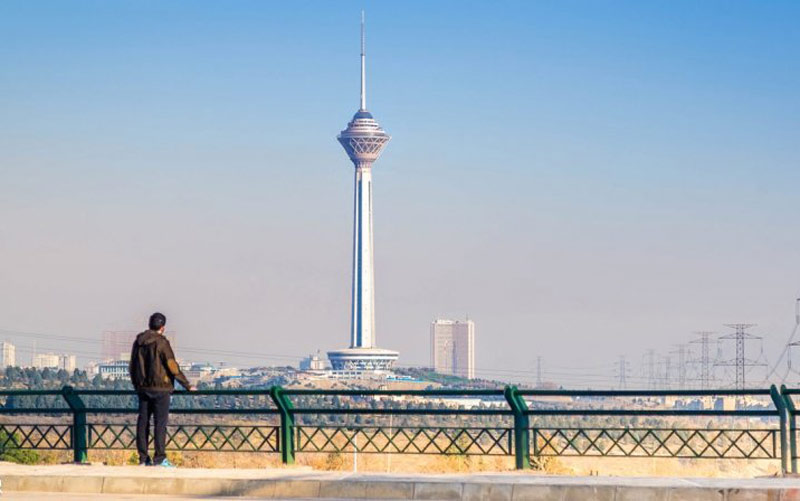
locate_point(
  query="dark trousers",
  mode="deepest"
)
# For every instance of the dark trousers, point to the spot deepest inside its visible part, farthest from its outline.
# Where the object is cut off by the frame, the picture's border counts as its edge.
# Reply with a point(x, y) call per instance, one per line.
point(155, 404)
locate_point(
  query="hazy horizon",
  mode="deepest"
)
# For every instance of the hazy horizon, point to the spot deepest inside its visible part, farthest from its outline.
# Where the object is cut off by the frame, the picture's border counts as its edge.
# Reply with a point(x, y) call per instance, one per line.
point(582, 180)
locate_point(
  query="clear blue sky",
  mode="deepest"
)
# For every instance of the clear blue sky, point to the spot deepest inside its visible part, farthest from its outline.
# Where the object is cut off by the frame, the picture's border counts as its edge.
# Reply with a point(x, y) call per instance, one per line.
point(604, 175)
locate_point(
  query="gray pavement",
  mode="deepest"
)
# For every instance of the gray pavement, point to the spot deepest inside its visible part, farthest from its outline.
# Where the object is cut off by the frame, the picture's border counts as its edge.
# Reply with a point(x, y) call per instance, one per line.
point(132, 482)
point(51, 496)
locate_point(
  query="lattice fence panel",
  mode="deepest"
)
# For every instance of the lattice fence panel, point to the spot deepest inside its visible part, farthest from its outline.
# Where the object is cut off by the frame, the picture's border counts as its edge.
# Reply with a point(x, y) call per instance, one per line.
point(405, 440)
point(36, 436)
point(233, 438)
point(656, 442)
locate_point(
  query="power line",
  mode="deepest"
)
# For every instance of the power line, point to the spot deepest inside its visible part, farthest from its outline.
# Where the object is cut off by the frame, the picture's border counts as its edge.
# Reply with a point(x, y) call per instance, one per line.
point(539, 371)
point(651, 369)
point(666, 376)
point(622, 368)
point(787, 347)
point(681, 368)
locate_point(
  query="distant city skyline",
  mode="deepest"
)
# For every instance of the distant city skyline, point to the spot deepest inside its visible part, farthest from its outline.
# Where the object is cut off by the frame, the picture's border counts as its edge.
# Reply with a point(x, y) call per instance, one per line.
point(579, 174)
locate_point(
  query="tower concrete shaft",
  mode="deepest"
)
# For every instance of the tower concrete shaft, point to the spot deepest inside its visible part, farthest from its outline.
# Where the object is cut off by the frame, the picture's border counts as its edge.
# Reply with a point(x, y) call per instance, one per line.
point(362, 324)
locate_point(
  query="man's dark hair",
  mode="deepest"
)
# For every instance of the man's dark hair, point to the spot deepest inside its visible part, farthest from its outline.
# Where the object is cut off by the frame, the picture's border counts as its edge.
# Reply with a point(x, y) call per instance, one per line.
point(157, 321)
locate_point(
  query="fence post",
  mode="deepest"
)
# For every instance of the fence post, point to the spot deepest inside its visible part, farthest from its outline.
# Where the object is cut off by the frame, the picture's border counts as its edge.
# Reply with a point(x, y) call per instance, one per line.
point(780, 405)
point(522, 451)
point(791, 412)
point(286, 439)
point(80, 442)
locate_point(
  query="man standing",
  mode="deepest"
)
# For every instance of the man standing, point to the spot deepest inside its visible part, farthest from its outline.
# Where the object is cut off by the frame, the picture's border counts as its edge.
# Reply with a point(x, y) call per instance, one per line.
point(153, 372)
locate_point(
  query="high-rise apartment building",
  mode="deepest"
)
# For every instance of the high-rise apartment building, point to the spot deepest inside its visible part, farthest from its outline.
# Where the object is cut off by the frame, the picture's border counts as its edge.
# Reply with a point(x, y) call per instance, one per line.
point(116, 345)
point(453, 347)
point(8, 353)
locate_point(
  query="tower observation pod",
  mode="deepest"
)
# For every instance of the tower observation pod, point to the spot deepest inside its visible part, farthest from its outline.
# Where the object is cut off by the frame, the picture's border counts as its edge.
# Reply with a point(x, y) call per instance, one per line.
point(363, 140)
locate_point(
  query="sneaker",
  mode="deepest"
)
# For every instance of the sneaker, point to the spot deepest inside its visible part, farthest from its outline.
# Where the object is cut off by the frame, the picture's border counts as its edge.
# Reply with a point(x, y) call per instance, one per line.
point(166, 464)
point(146, 462)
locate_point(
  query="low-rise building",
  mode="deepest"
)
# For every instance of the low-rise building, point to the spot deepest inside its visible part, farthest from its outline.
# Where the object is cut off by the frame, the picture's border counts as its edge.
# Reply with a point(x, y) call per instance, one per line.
point(113, 369)
point(313, 363)
point(725, 403)
point(92, 369)
point(46, 361)
point(67, 362)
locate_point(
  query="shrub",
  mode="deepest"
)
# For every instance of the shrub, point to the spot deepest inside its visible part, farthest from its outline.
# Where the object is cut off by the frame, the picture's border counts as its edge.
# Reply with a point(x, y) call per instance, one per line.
point(10, 451)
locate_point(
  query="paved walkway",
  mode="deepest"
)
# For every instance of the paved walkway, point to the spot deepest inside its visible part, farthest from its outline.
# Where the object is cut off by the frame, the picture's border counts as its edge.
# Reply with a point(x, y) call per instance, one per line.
point(58, 496)
point(303, 483)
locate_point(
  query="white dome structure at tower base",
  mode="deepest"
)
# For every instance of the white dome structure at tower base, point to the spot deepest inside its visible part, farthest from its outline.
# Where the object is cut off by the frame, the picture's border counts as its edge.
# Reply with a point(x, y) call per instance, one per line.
point(362, 359)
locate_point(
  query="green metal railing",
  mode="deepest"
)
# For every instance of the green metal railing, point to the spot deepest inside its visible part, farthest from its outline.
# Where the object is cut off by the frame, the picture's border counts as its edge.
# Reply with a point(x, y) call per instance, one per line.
point(524, 424)
point(789, 425)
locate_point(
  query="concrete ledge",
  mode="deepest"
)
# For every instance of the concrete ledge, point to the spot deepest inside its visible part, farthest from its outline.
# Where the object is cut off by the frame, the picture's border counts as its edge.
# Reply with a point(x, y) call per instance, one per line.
point(304, 483)
point(389, 490)
point(438, 490)
point(487, 492)
point(288, 488)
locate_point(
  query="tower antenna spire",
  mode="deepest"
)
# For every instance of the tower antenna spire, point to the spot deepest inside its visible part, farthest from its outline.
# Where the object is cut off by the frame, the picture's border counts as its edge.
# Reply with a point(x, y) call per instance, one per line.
point(363, 67)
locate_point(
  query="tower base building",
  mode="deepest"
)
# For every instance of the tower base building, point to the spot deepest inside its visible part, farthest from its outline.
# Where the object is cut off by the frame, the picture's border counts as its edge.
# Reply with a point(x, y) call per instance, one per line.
point(362, 359)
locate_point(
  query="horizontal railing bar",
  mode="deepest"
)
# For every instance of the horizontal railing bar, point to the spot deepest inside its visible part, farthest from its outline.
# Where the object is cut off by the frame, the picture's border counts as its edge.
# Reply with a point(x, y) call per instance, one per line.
point(43, 410)
point(111, 410)
point(638, 455)
point(402, 427)
point(30, 393)
point(421, 412)
point(234, 392)
point(649, 412)
point(104, 410)
point(97, 424)
point(642, 393)
point(481, 412)
point(436, 392)
point(655, 428)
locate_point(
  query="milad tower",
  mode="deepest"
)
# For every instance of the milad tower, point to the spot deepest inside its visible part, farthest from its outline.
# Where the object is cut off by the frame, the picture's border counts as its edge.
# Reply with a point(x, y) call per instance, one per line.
point(363, 140)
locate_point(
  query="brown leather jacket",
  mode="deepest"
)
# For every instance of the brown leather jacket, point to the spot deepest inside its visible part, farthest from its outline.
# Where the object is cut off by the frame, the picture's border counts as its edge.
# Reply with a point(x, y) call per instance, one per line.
point(153, 366)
